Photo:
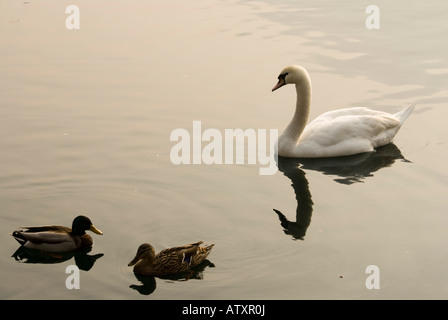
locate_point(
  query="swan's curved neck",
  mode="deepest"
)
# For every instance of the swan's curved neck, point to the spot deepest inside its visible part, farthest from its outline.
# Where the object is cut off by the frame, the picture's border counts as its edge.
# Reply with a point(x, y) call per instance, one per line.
point(300, 119)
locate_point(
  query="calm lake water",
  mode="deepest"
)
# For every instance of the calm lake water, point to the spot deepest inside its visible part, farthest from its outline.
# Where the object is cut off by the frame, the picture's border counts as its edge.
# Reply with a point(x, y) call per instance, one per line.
point(86, 117)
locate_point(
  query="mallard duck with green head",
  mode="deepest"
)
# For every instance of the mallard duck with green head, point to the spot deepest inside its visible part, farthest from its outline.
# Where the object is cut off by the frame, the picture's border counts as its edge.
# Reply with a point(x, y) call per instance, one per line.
point(168, 261)
point(58, 238)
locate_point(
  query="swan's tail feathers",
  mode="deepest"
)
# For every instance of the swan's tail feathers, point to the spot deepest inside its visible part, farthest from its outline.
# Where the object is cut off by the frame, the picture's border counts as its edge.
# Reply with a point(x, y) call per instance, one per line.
point(404, 114)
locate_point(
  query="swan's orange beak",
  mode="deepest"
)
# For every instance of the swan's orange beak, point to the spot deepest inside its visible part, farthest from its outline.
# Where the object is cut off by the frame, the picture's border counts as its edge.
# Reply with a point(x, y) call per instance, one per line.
point(281, 82)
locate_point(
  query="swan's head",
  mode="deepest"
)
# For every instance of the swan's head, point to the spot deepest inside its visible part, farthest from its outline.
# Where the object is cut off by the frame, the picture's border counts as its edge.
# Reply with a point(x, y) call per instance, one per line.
point(292, 74)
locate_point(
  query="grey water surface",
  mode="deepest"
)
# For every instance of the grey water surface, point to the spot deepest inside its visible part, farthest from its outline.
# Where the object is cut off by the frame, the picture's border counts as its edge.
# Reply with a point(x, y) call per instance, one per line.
point(85, 122)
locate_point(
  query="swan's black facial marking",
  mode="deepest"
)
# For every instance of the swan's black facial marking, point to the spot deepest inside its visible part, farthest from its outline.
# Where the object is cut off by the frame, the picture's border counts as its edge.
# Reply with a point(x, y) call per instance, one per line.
point(283, 76)
point(281, 81)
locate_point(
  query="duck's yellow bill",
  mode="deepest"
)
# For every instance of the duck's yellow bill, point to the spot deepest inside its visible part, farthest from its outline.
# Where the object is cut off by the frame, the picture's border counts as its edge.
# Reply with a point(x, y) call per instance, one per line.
point(95, 230)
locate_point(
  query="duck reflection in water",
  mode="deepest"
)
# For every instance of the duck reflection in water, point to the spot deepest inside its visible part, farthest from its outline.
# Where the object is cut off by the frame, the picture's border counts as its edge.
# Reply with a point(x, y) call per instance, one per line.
point(348, 170)
point(148, 283)
point(83, 260)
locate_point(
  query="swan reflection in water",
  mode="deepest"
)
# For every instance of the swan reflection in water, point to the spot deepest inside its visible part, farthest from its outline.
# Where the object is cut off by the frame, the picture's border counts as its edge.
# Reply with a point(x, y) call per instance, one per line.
point(348, 170)
point(148, 283)
point(83, 260)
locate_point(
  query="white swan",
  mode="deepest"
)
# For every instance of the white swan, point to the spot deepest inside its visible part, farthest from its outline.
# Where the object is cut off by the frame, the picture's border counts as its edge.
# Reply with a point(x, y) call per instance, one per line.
point(335, 133)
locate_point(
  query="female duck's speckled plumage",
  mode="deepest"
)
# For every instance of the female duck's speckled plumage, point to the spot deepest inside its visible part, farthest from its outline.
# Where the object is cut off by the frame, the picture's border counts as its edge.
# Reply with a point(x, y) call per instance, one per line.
point(58, 238)
point(168, 261)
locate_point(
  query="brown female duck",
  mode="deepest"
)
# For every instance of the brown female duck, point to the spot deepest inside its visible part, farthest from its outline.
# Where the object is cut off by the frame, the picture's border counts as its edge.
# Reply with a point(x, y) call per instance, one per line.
point(168, 261)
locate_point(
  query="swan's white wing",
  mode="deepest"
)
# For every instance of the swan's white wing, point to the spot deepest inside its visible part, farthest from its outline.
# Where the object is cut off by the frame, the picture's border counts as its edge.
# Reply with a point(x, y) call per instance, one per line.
point(360, 111)
point(341, 132)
